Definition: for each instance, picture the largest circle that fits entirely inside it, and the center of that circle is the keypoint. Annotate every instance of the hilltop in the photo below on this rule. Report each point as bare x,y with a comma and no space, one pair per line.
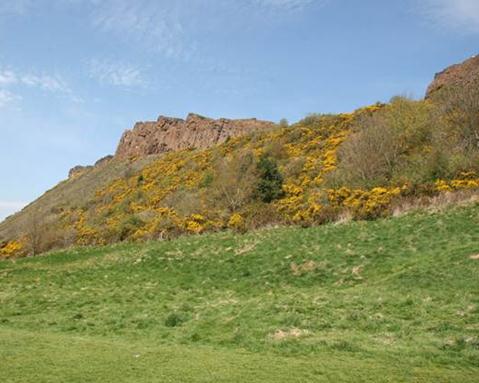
172,177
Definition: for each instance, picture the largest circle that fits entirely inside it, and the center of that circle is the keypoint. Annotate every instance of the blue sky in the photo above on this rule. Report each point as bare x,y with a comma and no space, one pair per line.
75,73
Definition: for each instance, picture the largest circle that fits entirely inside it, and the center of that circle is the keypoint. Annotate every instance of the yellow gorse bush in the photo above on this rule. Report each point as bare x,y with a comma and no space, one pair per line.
143,194
150,203
236,222
364,203
467,180
11,249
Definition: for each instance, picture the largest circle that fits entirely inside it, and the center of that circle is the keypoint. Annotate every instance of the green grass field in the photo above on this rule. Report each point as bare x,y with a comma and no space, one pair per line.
393,300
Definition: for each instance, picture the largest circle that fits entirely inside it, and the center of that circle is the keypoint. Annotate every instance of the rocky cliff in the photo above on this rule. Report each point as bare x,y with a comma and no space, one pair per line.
462,75
171,134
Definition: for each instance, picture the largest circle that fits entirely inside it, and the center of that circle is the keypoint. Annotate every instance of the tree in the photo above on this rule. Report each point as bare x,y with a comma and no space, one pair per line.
382,145
459,107
283,123
270,182
234,181
456,138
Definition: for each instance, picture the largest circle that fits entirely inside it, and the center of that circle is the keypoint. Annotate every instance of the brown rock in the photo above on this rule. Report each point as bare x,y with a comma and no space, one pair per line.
456,75
171,134
78,170
103,161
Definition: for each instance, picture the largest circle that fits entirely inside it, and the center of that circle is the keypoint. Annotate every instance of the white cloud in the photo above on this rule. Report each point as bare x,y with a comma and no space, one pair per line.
459,14
151,22
8,77
8,207
43,81
116,73
7,97
170,27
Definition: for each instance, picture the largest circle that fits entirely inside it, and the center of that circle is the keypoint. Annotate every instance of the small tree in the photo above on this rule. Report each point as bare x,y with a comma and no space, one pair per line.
283,123
270,183
234,181
459,107
382,146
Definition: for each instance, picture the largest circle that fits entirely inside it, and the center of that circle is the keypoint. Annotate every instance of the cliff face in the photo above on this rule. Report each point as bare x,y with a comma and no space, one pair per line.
171,134
462,75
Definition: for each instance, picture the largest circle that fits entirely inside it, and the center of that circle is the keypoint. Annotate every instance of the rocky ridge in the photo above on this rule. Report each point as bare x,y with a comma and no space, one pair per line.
462,75
172,134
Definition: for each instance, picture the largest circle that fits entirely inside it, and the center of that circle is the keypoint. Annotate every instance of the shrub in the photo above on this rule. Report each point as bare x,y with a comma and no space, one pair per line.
382,144
457,133
283,123
234,183
131,224
459,108
185,202
260,214
270,183
175,319
11,249
237,223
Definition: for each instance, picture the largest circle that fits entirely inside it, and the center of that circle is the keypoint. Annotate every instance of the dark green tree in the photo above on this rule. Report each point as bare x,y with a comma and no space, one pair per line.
270,183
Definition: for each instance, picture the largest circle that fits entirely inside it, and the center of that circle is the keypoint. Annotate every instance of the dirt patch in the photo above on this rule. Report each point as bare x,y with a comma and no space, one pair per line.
357,270
475,257
303,268
246,248
293,333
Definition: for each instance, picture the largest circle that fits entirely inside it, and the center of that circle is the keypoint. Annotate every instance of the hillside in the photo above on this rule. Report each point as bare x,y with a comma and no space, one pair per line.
392,300
174,177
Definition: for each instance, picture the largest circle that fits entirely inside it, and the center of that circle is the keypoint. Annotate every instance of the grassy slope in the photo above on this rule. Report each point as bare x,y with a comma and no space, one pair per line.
76,191
386,301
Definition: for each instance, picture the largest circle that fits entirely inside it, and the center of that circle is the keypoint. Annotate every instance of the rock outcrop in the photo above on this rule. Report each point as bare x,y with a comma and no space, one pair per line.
79,169
103,161
171,134
462,75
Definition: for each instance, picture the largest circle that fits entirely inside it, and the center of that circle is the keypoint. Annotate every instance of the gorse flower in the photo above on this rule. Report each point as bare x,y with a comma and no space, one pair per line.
292,173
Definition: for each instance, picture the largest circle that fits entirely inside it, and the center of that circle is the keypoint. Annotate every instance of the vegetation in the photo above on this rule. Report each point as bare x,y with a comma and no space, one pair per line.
270,183
391,300
361,165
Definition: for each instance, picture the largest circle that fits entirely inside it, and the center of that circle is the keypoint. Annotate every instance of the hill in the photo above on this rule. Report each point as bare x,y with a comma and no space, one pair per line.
391,300
174,177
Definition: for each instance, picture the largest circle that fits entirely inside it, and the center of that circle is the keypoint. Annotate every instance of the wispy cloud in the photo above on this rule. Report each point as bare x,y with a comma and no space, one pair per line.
45,82
7,97
458,14
116,73
49,83
172,27
7,77
154,23
151,22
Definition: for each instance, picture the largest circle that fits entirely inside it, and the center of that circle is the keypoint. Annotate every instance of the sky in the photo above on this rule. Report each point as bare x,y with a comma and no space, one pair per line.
74,74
